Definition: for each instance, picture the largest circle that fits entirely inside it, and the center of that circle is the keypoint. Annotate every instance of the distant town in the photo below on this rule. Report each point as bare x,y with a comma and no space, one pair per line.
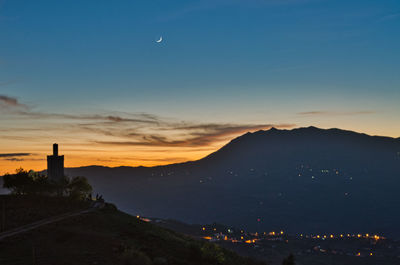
261,243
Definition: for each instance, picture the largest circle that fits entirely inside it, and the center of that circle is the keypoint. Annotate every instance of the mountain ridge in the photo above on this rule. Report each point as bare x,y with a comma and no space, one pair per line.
302,180
257,133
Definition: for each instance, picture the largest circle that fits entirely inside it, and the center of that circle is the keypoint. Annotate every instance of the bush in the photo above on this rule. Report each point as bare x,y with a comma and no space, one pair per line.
134,257
79,188
289,260
160,261
213,253
32,183
26,182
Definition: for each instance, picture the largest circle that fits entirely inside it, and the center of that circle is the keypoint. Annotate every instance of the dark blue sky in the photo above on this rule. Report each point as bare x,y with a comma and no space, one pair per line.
104,52
302,62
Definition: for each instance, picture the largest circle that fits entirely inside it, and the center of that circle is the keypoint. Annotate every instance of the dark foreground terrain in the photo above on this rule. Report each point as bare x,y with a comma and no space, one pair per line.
104,236
109,236
16,211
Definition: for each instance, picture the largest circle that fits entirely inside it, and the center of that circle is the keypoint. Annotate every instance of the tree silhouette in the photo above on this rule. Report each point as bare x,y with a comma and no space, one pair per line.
79,188
25,182
289,260
32,183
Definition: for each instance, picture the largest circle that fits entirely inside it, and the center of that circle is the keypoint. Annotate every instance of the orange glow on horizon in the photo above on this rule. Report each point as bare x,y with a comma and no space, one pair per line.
107,158
82,148
81,151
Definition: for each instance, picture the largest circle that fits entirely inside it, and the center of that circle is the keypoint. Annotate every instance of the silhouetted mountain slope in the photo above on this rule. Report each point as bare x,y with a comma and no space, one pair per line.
312,144
301,180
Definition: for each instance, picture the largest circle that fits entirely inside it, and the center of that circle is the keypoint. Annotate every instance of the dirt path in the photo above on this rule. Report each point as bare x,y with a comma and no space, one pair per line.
31,226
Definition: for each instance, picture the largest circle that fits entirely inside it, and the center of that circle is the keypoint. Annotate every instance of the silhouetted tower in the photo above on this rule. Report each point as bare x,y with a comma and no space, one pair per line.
55,165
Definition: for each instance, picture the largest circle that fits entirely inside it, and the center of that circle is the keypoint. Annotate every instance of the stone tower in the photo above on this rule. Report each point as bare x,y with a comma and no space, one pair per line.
55,165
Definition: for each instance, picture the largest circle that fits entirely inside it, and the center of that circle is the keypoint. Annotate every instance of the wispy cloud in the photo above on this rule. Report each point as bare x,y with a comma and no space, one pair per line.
12,106
15,154
14,159
136,118
121,128
7,102
335,113
196,135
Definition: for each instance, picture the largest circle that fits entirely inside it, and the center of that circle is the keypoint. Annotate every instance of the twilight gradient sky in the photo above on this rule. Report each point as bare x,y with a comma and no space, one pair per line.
90,76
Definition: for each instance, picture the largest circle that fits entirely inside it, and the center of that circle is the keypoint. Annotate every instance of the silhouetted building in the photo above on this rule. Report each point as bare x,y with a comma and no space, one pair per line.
55,165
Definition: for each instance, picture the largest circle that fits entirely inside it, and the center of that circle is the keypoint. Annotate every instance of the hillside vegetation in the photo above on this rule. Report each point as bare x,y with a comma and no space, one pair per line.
108,236
16,211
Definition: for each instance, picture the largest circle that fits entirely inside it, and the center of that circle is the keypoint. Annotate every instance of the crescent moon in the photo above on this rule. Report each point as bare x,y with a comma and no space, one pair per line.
160,40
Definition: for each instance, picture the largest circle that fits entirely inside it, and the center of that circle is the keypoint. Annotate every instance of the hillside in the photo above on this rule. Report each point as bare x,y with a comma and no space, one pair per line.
306,180
108,236
17,211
